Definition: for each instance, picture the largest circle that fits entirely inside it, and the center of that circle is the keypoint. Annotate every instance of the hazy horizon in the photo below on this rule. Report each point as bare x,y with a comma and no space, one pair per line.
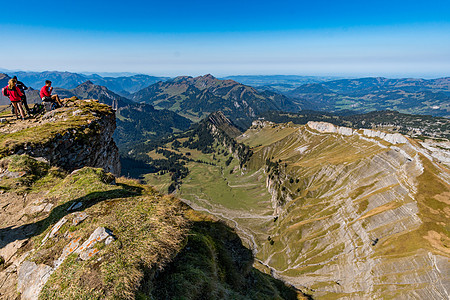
321,38
125,74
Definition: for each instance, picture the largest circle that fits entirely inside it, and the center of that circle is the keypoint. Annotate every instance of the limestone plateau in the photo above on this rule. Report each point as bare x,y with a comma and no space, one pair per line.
337,212
360,213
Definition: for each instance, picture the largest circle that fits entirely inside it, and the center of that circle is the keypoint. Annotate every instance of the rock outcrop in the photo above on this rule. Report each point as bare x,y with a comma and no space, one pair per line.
330,128
31,279
77,135
324,127
393,138
439,150
219,120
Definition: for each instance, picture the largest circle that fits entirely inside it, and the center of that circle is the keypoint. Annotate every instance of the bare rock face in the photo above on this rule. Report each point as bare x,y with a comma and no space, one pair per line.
55,229
393,138
440,150
330,128
324,127
218,120
31,279
96,149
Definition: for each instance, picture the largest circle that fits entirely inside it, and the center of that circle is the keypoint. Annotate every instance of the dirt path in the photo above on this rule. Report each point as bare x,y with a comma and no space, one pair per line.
9,123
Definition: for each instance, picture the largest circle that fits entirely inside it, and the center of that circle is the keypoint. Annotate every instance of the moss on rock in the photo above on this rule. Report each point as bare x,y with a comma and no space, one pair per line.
21,172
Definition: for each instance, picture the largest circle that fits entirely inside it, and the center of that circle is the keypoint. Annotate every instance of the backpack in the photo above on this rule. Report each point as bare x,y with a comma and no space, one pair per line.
50,105
37,108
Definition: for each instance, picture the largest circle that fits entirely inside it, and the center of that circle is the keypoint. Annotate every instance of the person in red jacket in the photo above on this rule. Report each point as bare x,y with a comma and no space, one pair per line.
46,93
15,95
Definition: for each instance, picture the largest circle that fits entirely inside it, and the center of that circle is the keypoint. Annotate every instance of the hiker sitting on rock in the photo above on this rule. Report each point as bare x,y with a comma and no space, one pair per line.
46,93
22,87
15,95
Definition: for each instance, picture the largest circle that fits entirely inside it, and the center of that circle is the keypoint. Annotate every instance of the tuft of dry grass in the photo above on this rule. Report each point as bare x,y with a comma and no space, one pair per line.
149,230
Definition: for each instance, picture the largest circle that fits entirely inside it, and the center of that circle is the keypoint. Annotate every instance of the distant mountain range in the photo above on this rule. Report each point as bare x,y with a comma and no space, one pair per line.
67,80
278,83
414,96
3,82
135,121
195,98
4,79
373,84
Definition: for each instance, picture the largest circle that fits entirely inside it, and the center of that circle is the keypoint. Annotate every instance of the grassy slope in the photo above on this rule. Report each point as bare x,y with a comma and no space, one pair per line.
298,240
434,234
308,204
155,235
313,206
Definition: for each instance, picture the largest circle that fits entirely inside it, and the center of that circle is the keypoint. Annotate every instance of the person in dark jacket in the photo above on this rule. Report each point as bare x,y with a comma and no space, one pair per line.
15,95
22,87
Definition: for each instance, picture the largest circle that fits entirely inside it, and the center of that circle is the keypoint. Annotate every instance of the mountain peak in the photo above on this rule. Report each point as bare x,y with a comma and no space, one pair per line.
219,120
88,83
89,90
206,81
208,76
181,78
205,94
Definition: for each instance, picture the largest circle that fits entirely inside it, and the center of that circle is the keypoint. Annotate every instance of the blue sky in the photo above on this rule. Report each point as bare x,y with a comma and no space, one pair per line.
344,38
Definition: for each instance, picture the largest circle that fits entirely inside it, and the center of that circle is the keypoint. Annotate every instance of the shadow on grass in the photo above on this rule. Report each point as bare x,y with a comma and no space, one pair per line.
12,233
214,264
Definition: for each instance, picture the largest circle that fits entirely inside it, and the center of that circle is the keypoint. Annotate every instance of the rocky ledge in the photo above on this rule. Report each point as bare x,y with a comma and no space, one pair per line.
324,127
71,137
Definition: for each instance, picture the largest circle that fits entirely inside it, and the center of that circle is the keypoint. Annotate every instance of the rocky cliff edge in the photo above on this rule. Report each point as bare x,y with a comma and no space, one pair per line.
77,135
